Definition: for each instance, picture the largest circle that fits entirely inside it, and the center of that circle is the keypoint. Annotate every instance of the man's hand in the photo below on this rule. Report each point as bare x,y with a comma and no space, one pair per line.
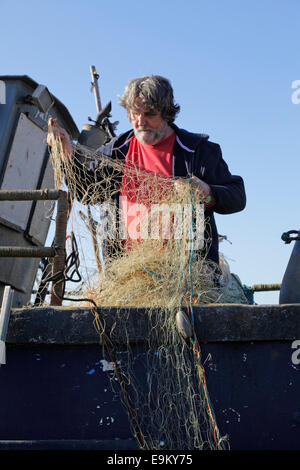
198,185
55,131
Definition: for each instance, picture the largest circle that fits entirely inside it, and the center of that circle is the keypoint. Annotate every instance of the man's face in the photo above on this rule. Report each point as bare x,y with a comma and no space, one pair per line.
149,127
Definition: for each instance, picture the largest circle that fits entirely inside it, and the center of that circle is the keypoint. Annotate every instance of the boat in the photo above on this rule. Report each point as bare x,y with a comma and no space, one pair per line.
56,376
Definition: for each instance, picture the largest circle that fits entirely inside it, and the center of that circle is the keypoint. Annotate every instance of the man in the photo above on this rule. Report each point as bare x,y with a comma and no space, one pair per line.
156,144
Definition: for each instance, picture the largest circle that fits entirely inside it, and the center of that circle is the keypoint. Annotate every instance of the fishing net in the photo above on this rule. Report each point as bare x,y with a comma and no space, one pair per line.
146,251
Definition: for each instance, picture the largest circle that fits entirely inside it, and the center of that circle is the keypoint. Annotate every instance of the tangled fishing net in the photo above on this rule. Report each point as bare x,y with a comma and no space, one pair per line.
155,261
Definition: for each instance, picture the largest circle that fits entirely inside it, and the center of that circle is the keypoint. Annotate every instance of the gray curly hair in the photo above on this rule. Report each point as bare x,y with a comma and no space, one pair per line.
156,94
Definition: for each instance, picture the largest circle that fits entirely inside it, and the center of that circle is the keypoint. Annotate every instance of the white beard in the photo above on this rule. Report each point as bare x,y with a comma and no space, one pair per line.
151,136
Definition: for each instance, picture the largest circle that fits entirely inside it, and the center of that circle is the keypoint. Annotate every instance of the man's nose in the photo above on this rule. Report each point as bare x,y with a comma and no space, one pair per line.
141,120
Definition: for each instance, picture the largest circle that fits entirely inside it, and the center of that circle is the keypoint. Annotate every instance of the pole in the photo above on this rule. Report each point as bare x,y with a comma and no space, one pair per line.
265,287
60,247
95,87
91,226
29,195
26,252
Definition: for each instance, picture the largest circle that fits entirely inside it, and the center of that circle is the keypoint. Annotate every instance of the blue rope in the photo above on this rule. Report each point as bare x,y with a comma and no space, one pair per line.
190,262
159,276
192,255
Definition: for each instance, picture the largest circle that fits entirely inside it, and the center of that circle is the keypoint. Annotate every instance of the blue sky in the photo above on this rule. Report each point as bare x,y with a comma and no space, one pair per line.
231,64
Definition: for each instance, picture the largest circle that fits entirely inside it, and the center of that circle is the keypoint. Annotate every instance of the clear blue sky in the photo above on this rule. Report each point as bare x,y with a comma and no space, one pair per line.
231,64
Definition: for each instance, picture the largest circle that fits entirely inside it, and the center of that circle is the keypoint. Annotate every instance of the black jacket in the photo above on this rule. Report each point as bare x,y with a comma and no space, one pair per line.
194,155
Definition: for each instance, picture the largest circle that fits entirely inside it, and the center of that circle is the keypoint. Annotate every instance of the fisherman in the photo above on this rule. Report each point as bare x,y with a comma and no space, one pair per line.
156,144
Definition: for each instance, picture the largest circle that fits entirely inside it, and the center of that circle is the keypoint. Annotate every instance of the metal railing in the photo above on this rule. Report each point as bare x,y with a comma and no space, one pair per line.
265,287
58,251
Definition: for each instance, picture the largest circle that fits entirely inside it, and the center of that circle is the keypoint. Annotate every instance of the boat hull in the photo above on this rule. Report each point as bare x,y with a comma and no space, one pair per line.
56,393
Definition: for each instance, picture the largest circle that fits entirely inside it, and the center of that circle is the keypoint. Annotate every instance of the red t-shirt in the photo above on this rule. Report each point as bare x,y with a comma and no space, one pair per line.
141,189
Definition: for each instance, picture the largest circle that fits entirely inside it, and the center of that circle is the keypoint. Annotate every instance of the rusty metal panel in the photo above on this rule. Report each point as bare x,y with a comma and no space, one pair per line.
24,164
43,210
22,170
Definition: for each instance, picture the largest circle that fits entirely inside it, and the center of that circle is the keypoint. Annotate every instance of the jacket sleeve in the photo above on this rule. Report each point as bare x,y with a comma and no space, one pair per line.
227,189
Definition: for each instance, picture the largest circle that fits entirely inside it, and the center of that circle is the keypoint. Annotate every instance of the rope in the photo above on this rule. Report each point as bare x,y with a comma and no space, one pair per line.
73,260
159,276
195,343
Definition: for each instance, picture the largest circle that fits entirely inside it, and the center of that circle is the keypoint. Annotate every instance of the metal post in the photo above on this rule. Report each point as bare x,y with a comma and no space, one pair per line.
60,248
95,87
265,287
29,195
26,252
91,226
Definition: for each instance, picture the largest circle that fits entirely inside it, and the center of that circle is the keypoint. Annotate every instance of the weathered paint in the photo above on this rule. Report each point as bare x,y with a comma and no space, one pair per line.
63,391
